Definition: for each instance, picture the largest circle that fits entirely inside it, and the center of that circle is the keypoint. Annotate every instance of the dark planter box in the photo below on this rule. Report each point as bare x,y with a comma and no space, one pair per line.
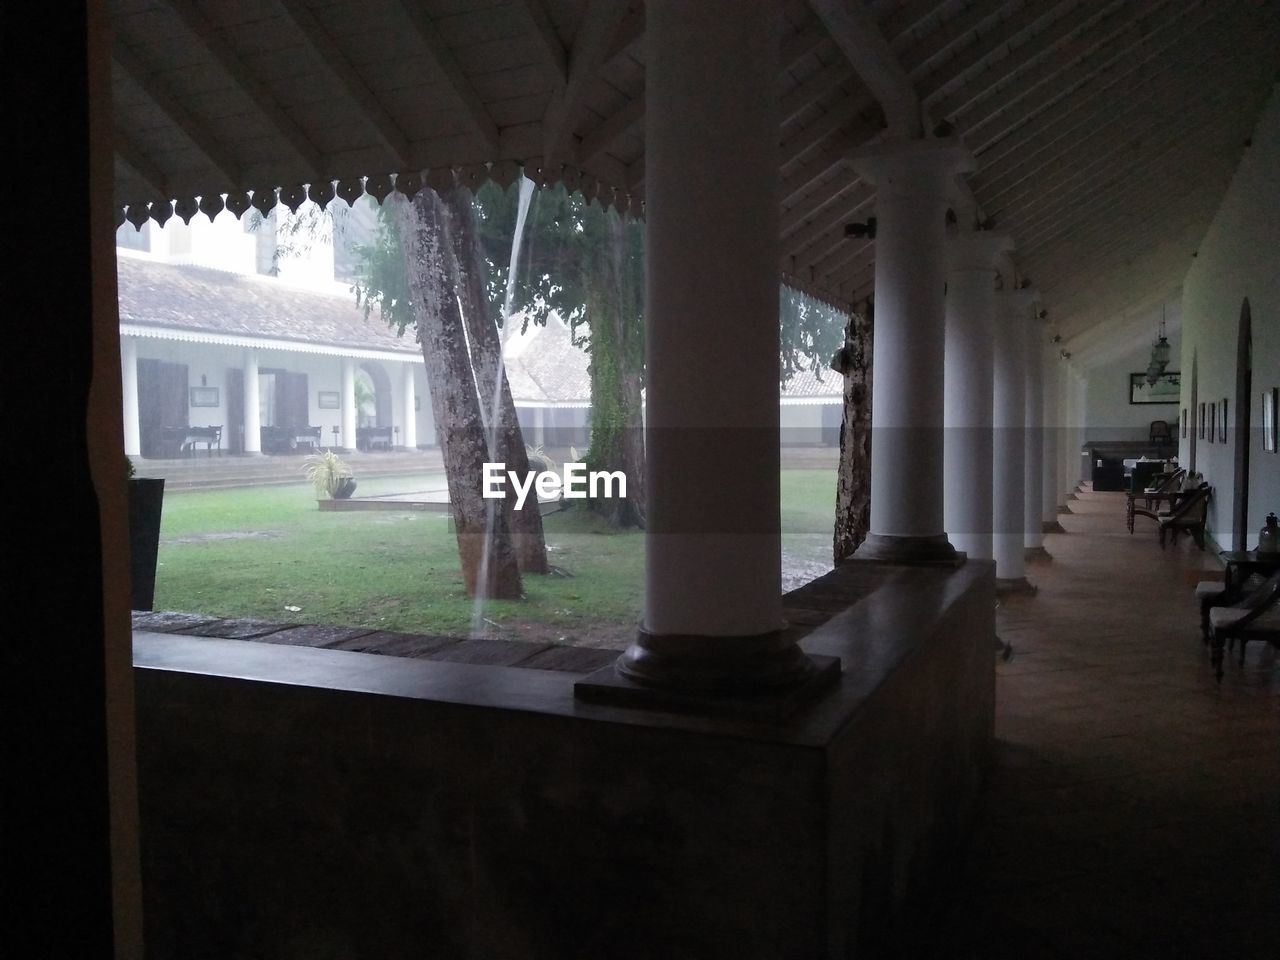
146,499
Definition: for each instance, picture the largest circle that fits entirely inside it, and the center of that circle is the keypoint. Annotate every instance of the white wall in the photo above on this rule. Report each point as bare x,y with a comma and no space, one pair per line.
1108,413
1238,258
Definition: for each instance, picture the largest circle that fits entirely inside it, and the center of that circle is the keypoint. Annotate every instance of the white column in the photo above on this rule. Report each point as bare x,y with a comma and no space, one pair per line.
1033,477
712,608
129,383
913,180
348,404
252,412
967,451
1052,445
1012,316
539,426
409,429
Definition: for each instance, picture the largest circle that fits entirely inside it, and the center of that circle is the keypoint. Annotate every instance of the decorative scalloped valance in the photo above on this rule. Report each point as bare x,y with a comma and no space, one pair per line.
379,187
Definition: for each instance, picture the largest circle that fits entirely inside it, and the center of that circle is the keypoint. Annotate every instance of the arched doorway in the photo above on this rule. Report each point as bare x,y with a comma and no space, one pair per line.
1244,397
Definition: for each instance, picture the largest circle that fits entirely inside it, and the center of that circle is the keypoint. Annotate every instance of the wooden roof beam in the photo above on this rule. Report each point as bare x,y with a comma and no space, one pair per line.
794,101
348,79
610,129
1038,26
1084,115
213,150
906,17
630,32
208,36
1057,187
551,47
477,115
1021,109
1049,51
597,30
858,36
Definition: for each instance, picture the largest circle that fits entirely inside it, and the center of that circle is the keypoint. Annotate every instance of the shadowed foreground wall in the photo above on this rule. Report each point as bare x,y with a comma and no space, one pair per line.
311,803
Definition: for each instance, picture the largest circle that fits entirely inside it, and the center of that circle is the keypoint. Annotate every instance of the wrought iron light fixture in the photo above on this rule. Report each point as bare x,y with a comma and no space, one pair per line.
1160,354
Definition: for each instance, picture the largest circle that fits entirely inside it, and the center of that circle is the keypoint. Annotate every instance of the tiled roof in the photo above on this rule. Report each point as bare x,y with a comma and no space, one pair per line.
805,384
547,367
199,299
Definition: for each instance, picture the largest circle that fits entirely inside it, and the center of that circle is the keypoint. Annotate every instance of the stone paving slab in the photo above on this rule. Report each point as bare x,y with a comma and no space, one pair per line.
170,621
235,628
316,635
396,644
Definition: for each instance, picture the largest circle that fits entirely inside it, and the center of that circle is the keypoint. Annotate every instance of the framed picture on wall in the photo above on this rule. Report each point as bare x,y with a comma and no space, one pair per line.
1200,421
204,396
1212,418
329,400
1166,389
1184,423
1222,421
1270,401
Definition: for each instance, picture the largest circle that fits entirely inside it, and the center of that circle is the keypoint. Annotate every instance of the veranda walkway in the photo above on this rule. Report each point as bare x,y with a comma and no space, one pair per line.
1134,806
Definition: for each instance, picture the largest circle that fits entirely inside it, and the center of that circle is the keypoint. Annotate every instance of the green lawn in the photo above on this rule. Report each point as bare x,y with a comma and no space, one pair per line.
257,552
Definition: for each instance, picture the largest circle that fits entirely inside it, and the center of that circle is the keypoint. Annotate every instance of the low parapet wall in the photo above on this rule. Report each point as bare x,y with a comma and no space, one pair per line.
312,803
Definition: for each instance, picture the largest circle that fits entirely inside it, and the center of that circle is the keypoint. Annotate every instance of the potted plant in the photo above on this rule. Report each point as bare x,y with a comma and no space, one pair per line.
146,502
330,475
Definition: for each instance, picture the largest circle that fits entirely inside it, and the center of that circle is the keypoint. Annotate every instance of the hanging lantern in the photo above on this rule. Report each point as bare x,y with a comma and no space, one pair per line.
1153,372
1160,353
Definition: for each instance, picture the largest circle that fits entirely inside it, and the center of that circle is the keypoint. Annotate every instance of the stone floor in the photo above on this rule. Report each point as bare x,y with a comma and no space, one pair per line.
1134,807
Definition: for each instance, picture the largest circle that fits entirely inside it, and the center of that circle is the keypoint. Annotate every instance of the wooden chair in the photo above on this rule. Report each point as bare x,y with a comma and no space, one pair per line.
1168,486
1255,616
1187,515
1160,433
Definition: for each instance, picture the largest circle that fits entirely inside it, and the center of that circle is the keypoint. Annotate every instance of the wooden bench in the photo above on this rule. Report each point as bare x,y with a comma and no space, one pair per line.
367,438
290,439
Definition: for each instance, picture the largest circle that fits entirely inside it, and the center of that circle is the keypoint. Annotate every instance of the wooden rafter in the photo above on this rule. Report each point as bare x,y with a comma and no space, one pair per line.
213,150
610,129
207,35
599,26
1106,67
802,95
907,16
477,115
552,48
630,30
1061,182
1046,53
858,36
348,79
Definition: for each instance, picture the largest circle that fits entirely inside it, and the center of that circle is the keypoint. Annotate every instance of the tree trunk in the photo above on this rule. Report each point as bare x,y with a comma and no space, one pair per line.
853,493
432,273
617,377
491,376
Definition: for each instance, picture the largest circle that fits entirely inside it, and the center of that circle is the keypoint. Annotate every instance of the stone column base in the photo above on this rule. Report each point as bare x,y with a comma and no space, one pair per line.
935,551
1017,586
1053,526
766,676
1036,553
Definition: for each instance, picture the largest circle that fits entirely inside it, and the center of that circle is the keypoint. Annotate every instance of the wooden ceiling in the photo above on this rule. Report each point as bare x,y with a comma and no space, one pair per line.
1105,132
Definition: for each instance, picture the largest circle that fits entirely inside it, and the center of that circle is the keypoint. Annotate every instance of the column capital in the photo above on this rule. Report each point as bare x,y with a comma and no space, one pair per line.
976,251
900,164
